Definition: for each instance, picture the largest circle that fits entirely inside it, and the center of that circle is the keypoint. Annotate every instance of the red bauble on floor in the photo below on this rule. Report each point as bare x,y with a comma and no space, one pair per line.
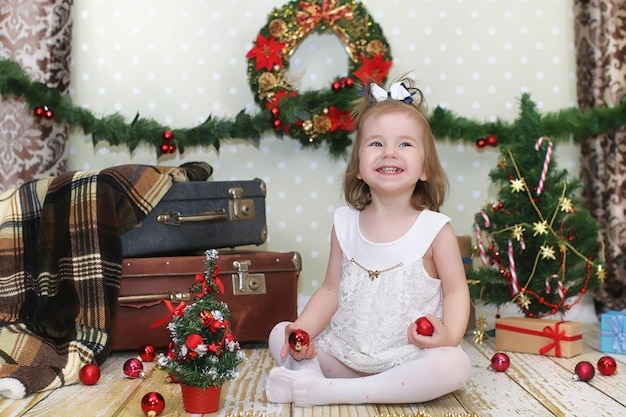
89,374
607,365
583,371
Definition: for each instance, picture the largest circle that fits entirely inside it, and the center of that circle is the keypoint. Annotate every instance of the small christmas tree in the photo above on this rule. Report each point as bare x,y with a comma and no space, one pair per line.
203,351
538,247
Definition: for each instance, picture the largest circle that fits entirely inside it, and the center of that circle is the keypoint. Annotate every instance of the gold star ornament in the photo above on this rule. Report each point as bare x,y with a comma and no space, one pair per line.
547,252
518,232
601,273
566,205
517,185
479,337
540,228
523,300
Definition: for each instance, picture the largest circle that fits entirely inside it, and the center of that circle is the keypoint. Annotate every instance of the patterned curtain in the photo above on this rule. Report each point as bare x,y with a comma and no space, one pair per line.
36,34
600,36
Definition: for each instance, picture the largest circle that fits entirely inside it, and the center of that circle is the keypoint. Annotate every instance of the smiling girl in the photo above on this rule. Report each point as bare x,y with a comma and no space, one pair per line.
393,258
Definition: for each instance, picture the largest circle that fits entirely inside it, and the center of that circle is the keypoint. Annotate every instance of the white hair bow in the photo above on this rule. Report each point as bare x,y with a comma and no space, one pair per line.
397,91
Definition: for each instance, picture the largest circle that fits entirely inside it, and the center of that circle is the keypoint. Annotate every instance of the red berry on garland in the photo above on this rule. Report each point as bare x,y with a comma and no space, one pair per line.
424,327
607,365
492,140
89,374
147,353
298,339
500,362
152,404
39,112
584,371
133,368
480,143
277,124
275,111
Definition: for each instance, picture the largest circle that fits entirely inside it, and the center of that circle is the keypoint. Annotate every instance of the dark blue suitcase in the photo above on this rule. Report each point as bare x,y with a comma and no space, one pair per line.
198,215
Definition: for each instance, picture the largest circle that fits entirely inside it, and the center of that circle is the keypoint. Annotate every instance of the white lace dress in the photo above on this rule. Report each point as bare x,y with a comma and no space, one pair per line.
368,331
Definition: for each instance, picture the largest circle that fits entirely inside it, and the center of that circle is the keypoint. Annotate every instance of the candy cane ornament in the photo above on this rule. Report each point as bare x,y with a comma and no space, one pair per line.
546,162
513,269
560,286
479,239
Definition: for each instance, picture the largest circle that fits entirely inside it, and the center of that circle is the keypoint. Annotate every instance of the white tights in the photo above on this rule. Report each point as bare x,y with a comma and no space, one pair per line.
324,380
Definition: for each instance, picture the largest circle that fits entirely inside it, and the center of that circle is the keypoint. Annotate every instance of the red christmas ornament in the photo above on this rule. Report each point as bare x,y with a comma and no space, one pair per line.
424,327
584,371
336,86
277,124
48,114
480,143
607,365
167,136
492,140
275,111
347,82
147,353
152,404
89,374
193,341
298,339
39,112
170,350
164,148
133,368
500,362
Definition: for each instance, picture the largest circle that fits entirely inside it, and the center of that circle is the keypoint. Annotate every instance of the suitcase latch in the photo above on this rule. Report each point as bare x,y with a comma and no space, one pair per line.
240,208
245,283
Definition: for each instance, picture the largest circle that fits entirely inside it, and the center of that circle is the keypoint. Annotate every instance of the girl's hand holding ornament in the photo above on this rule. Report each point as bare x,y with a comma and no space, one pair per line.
427,332
298,344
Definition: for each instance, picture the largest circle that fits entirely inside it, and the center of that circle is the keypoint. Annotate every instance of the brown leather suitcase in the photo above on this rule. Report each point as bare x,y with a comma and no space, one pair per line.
260,288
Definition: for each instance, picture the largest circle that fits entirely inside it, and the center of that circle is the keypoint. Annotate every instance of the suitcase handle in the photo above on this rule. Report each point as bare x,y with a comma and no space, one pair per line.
174,218
147,298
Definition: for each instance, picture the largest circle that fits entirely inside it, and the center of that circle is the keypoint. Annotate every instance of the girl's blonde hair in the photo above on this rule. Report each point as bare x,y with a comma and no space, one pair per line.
429,194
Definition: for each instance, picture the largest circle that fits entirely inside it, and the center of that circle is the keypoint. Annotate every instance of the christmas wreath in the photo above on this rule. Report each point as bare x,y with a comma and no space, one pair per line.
315,117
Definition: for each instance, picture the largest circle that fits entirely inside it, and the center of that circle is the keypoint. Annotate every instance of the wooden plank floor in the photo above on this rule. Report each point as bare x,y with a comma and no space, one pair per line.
533,386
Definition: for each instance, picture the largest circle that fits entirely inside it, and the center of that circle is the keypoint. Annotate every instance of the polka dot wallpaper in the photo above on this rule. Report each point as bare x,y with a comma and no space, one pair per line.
180,61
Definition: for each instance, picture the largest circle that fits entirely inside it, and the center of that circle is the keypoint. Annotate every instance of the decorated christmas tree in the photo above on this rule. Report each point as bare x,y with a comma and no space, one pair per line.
203,351
538,247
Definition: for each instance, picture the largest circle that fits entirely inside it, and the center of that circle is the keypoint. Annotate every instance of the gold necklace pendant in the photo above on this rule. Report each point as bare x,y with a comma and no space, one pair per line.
375,273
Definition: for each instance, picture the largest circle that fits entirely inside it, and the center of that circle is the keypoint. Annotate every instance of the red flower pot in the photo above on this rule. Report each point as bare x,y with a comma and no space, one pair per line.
198,400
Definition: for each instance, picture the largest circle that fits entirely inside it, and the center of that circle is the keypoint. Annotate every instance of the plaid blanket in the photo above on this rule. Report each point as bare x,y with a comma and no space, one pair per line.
60,269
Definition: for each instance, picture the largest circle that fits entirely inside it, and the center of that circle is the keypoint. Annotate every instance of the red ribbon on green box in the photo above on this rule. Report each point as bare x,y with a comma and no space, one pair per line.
553,333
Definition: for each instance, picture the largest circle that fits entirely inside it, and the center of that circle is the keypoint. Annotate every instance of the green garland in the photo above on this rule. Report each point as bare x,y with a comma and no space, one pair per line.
116,130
